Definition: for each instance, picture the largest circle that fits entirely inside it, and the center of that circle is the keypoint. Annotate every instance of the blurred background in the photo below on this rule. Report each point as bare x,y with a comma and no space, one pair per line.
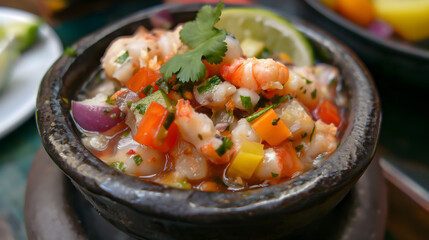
396,54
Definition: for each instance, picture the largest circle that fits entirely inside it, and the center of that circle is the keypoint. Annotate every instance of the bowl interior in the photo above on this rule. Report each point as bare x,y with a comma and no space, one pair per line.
62,142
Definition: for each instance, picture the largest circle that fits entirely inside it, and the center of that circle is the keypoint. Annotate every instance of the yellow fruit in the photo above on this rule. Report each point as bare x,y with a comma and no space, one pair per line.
409,18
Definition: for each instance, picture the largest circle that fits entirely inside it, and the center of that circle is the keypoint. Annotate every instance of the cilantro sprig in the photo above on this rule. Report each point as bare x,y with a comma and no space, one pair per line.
206,41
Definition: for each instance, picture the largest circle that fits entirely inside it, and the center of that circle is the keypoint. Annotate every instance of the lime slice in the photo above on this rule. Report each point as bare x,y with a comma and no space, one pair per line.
275,32
24,34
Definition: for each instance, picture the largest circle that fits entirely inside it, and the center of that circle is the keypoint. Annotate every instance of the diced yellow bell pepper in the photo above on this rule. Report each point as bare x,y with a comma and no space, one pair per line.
409,18
271,128
247,160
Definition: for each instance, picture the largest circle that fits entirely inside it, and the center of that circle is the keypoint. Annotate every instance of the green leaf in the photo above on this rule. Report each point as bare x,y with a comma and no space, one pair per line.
118,165
207,43
299,148
226,144
121,59
138,159
246,102
210,83
274,175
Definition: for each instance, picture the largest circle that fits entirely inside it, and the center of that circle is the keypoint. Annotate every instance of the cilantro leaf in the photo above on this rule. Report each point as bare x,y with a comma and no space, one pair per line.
246,102
206,41
213,81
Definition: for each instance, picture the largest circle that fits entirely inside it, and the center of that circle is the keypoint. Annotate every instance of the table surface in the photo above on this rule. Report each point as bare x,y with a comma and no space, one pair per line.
403,139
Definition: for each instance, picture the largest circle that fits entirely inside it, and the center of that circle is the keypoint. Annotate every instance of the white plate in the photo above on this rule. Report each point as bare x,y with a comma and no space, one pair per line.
18,98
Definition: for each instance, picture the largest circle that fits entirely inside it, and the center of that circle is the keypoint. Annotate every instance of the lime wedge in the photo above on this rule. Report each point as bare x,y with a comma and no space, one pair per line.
24,34
275,32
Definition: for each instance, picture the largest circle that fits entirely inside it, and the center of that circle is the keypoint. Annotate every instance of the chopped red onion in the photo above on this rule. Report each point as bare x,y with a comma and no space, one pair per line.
381,28
97,118
161,19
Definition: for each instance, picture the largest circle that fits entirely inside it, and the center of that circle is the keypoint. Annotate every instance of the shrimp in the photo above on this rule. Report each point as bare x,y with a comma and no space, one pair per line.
139,160
278,162
295,116
255,74
216,97
188,161
244,132
244,92
323,142
144,49
310,84
198,129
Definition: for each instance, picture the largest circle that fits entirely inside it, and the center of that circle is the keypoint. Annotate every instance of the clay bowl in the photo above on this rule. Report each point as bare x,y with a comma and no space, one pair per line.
153,211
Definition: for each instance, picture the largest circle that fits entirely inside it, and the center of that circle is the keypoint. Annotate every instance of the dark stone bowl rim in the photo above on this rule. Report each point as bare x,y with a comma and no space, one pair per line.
342,168
397,46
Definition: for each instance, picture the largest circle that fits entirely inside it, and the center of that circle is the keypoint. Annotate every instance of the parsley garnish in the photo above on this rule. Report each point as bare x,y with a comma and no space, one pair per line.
148,90
118,165
304,135
122,115
277,100
213,81
274,175
246,102
142,108
226,144
70,51
169,120
121,59
305,91
299,148
110,101
308,81
138,159
163,84
126,134
206,41
313,93
106,111
200,136
275,121
312,131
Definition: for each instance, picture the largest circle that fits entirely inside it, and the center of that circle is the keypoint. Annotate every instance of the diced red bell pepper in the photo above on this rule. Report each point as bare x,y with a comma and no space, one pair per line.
142,78
150,126
328,112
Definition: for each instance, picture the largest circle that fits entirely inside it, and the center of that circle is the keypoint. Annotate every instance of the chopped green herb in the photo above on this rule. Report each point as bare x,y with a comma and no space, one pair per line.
305,91
299,148
307,81
205,41
276,101
70,51
122,115
312,132
274,175
200,136
138,159
148,90
246,102
275,121
210,83
113,115
314,93
226,144
163,84
121,59
125,134
304,135
141,108
169,120
65,100
118,165
129,104
110,101
106,111
301,87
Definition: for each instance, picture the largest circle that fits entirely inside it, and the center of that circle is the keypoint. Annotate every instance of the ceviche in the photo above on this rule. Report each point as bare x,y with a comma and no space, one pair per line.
187,108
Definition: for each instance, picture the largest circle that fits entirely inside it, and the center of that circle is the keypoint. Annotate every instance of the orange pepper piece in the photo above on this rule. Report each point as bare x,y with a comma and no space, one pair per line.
271,128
